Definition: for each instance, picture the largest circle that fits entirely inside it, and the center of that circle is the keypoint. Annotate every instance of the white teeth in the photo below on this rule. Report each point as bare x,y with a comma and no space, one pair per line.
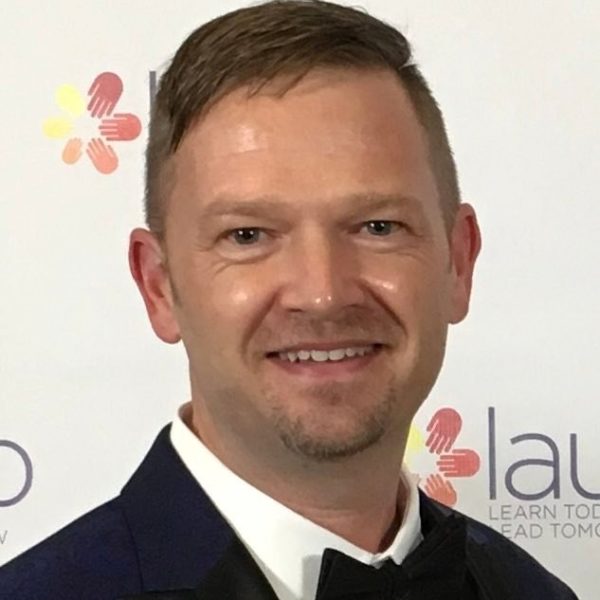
319,355
324,355
331,355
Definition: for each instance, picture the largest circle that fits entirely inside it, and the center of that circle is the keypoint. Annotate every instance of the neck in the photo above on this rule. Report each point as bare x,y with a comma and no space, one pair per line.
360,498
369,521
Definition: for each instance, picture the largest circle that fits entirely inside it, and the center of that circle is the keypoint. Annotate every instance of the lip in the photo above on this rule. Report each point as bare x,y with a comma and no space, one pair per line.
343,369
326,345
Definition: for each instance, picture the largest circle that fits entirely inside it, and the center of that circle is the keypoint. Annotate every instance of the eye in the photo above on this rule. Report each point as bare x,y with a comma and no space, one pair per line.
243,236
382,228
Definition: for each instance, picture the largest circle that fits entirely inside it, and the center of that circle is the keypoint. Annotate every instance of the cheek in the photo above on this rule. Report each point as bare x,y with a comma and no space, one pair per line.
410,285
417,295
221,308
215,314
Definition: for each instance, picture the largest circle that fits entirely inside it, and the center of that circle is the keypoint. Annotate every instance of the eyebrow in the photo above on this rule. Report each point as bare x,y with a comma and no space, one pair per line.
227,205
269,206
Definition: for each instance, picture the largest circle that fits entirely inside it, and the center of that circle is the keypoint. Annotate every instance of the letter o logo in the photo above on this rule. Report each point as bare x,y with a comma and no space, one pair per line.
28,473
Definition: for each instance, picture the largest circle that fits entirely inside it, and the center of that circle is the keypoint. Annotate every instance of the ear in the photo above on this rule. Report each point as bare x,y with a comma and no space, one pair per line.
465,244
147,266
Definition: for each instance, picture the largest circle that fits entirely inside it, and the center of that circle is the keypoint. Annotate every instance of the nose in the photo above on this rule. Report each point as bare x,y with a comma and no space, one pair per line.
321,276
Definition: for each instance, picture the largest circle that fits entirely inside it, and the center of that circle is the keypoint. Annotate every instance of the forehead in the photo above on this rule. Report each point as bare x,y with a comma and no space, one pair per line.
337,132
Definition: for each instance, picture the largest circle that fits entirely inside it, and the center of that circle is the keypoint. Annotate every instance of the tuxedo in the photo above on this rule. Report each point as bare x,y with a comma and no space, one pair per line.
162,534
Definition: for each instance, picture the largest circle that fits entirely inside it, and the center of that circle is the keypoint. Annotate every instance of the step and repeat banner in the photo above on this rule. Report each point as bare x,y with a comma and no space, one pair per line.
509,434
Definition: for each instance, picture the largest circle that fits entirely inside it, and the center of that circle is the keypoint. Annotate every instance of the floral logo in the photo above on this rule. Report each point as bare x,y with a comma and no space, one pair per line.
451,462
103,126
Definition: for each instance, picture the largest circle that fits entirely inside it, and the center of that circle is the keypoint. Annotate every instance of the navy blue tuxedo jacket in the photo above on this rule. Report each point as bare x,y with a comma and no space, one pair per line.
163,533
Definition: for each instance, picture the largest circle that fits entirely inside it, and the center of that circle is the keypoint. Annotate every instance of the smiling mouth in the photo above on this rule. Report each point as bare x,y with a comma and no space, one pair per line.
321,356
319,366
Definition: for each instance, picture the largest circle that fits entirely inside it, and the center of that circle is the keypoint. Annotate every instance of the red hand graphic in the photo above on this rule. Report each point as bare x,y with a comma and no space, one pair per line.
102,156
122,127
441,490
105,92
459,463
444,428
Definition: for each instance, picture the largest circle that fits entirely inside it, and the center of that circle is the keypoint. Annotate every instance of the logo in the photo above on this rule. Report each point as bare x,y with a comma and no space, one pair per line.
527,473
90,125
450,462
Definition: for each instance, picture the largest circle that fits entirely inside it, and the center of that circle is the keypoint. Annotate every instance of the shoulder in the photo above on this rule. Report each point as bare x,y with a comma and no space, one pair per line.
498,558
92,558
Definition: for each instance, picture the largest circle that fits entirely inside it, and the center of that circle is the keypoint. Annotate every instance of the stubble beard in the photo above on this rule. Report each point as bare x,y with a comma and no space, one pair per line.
369,424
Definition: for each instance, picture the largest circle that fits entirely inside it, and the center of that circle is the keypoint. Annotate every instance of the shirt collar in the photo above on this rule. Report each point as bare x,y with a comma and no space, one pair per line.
286,546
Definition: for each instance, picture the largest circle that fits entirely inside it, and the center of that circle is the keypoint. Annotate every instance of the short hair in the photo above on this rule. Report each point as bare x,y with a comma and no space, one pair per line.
283,39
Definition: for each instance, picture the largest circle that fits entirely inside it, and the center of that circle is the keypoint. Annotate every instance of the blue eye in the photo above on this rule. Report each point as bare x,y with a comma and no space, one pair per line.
244,238
382,231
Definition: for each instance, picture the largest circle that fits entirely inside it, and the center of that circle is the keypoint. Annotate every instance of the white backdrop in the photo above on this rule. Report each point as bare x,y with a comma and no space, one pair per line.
84,383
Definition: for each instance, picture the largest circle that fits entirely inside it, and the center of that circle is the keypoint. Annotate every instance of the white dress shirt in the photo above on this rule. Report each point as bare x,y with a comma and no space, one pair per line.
285,545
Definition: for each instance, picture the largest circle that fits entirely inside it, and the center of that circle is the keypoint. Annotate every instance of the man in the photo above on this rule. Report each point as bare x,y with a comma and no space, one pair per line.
308,244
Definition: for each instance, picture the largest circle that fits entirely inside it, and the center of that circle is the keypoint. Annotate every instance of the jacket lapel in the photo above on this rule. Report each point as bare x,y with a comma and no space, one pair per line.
181,539
236,575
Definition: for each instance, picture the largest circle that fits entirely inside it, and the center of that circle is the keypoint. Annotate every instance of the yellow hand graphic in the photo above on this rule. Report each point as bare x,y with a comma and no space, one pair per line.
57,127
70,100
414,444
416,440
72,152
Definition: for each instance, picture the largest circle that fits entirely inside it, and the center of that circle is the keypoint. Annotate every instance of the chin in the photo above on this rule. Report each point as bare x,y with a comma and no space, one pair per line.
334,439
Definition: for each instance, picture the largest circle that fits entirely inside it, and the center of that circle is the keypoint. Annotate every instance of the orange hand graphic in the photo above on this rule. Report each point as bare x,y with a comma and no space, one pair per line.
72,151
444,428
441,490
459,463
102,156
122,127
105,92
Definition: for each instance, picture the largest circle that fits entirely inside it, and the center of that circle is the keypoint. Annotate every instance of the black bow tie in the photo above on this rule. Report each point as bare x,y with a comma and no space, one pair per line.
434,571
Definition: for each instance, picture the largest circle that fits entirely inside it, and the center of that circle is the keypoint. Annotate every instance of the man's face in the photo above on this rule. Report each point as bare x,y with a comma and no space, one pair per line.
306,221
